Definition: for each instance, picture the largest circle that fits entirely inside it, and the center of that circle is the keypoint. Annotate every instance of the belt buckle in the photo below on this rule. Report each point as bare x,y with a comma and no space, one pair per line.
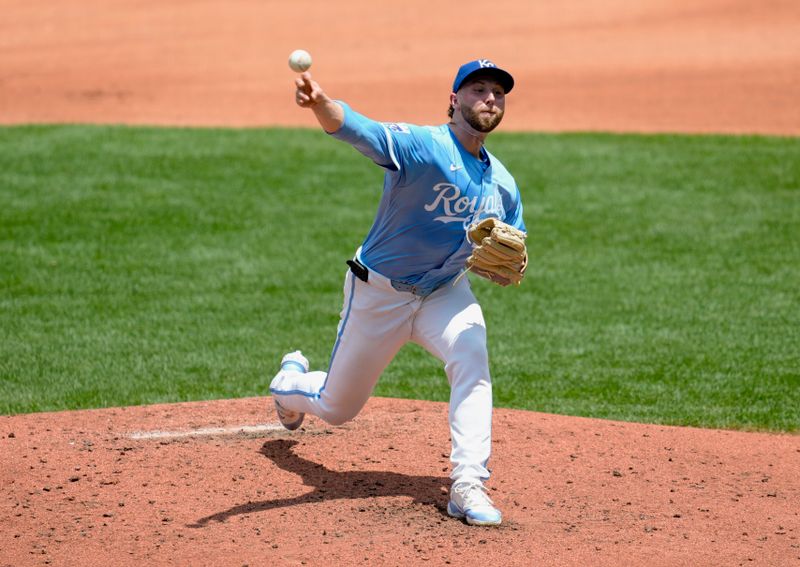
412,289
419,292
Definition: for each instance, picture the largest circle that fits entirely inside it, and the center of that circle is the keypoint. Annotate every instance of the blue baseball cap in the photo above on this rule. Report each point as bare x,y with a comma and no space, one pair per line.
483,66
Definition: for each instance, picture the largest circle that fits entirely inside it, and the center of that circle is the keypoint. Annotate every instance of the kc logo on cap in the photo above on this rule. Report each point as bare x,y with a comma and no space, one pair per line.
483,65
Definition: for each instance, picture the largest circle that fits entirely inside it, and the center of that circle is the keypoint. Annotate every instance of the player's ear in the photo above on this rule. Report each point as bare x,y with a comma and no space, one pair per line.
453,99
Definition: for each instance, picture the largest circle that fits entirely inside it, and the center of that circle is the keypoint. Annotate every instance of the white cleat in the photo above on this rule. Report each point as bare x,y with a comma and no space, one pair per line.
294,361
290,419
469,502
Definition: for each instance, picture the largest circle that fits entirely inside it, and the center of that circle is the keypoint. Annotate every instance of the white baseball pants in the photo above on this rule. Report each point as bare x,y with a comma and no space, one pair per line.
376,321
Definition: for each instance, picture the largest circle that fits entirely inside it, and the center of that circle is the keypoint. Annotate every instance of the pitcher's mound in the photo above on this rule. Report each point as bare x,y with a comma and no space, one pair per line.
220,483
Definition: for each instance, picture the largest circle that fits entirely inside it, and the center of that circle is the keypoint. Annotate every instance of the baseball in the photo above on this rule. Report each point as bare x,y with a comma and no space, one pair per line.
300,60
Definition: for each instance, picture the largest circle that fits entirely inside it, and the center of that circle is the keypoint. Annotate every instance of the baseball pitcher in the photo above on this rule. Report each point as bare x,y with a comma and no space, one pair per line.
448,206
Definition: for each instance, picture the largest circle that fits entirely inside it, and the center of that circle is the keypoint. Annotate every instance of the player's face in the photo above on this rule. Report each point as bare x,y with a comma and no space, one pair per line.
482,103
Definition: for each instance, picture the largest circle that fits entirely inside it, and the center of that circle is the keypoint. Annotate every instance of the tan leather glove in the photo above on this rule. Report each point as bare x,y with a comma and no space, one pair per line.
499,254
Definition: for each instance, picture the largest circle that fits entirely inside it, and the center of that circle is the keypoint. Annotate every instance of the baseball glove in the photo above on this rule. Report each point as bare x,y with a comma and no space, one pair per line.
499,252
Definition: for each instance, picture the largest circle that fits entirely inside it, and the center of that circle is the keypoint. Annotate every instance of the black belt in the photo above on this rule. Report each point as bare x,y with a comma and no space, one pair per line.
358,269
362,273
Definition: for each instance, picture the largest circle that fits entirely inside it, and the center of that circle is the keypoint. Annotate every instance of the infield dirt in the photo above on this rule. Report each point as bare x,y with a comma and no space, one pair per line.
131,486
664,65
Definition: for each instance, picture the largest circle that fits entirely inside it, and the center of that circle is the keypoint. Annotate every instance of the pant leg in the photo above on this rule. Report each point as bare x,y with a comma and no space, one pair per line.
375,322
450,326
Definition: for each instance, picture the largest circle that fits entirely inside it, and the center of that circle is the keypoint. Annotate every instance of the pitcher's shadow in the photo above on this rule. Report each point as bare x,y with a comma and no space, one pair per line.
336,485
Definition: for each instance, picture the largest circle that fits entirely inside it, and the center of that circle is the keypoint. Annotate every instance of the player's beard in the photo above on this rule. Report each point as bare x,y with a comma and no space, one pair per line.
482,122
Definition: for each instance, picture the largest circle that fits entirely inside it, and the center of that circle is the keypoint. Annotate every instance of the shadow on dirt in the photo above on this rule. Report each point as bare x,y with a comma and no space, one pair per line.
334,485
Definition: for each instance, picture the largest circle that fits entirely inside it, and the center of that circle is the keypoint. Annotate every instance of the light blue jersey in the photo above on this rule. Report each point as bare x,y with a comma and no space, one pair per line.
433,190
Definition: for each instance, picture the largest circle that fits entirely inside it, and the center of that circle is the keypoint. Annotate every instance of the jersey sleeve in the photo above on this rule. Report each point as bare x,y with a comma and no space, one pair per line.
391,146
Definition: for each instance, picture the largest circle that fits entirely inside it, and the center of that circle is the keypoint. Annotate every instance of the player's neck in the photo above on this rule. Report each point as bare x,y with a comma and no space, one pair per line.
471,139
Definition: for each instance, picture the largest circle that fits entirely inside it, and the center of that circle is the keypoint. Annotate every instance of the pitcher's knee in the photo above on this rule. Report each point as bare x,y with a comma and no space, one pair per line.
338,414
337,419
470,350
468,355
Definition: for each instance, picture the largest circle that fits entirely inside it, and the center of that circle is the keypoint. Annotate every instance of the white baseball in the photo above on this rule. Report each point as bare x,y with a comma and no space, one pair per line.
300,60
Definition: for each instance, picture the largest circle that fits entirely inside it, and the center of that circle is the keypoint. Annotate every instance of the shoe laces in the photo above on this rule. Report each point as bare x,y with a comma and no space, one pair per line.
473,495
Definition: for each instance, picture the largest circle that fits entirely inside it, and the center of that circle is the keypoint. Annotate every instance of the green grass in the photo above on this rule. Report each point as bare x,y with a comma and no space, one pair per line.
151,265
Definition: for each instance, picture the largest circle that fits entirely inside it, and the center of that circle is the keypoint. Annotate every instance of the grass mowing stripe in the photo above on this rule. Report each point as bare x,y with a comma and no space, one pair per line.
144,265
